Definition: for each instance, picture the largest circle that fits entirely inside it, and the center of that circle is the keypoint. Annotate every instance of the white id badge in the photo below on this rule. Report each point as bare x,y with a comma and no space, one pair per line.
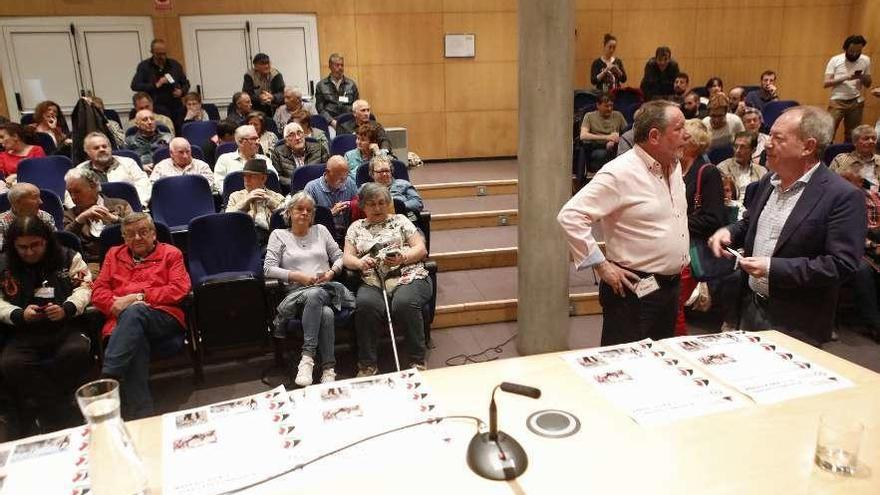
343,99
45,293
169,78
646,286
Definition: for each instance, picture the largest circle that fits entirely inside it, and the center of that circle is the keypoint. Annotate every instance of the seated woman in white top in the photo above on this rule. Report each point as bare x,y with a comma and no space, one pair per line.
306,258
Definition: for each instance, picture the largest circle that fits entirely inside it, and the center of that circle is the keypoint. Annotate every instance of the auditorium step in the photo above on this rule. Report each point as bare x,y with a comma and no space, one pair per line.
468,189
473,297
444,206
473,219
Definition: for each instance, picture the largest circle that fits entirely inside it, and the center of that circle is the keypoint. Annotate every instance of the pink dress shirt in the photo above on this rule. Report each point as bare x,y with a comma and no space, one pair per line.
644,216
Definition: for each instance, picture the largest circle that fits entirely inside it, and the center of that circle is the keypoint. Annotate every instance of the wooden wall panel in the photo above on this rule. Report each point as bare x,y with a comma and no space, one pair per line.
479,6
399,39
497,34
590,28
814,31
426,132
487,86
337,34
478,134
459,108
397,6
640,36
403,89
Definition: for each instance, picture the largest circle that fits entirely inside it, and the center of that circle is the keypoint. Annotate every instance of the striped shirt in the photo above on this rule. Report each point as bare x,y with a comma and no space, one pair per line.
772,220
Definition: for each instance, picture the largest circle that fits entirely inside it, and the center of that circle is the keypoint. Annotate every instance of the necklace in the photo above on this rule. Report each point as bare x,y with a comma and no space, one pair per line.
302,241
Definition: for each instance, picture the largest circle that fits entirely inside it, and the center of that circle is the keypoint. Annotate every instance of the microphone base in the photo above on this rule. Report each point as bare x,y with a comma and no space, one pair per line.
500,459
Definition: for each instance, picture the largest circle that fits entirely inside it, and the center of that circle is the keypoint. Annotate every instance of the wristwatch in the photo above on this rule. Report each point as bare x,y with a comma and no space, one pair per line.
139,297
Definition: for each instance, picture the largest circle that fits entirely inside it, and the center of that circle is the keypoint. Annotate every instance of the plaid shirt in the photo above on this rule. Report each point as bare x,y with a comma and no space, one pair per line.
867,169
773,217
872,205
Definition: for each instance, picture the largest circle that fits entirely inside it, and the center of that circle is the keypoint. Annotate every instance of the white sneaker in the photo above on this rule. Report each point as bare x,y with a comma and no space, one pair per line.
304,371
328,375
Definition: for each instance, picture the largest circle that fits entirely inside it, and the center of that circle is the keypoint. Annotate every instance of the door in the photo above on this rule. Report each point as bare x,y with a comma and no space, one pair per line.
63,58
219,50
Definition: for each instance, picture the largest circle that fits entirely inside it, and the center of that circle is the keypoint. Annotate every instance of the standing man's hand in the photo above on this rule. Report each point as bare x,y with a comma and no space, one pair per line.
720,240
756,266
618,278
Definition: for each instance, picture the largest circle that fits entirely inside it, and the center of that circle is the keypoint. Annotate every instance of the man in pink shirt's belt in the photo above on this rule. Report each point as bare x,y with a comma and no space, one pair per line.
640,199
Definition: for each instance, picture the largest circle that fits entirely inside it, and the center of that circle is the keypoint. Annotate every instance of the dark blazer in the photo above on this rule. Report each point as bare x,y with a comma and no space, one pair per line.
819,248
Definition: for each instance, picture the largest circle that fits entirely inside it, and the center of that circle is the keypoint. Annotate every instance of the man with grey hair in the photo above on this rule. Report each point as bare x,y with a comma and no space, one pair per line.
92,211
803,236
335,94
147,139
181,162
293,101
24,200
361,111
110,168
863,161
334,190
140,291
294,152
640,199
248,144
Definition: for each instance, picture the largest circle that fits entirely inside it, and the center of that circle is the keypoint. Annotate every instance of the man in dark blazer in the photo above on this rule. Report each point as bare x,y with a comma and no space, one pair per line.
803,236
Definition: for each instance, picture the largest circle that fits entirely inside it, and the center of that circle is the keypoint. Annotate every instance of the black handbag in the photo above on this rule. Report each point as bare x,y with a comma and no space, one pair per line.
704,265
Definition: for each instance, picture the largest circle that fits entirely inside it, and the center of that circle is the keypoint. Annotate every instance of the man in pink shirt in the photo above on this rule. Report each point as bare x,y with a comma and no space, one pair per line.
640,199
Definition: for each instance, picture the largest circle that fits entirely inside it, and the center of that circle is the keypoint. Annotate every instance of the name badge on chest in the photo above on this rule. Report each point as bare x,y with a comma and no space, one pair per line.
343,99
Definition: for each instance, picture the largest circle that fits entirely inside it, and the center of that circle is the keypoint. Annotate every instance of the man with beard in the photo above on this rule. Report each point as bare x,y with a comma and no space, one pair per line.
691,108
847,74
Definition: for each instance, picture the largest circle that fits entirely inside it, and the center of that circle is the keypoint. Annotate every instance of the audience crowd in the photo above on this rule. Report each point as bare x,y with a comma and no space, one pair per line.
707,150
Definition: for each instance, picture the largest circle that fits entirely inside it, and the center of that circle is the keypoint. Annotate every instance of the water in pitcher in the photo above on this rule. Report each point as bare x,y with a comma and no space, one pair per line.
114,465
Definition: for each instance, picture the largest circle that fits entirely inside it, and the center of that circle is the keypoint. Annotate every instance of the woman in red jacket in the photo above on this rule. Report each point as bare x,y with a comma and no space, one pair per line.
15,139
139,290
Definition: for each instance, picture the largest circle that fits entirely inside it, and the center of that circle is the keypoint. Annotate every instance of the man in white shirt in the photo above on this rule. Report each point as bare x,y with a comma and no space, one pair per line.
847,74
639,197
181,162
110,168
248,143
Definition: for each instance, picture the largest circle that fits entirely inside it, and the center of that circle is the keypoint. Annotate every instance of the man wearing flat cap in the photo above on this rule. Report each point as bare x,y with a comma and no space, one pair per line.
255,199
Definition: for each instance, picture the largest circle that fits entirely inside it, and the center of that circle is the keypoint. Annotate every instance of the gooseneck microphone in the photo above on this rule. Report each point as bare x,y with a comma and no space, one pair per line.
494,454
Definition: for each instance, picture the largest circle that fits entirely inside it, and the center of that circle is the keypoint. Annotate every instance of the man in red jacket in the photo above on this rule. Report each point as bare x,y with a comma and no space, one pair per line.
139,290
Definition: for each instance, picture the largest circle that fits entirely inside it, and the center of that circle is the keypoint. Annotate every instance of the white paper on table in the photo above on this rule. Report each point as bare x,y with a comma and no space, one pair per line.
650,385
757,366
340,413
226,445
54,463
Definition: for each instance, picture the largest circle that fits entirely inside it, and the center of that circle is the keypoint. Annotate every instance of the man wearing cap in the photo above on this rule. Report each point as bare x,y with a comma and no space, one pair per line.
264,84
255,199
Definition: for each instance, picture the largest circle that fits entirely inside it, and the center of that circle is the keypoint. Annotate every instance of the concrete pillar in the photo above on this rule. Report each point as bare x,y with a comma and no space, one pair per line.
546,62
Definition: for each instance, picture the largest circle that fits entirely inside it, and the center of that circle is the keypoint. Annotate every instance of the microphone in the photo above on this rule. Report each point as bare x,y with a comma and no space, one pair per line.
496,455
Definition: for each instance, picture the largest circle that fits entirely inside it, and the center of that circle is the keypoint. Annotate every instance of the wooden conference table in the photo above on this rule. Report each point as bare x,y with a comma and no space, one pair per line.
754,450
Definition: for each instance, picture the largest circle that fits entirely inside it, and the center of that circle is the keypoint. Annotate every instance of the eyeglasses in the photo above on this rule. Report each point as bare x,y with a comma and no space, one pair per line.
383,171
142,233
30,246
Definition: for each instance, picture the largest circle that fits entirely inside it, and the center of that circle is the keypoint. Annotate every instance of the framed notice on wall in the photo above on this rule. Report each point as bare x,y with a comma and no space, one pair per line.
459,46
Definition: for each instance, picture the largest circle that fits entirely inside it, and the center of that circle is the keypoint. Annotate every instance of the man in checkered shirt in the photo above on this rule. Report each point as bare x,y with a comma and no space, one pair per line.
803,236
